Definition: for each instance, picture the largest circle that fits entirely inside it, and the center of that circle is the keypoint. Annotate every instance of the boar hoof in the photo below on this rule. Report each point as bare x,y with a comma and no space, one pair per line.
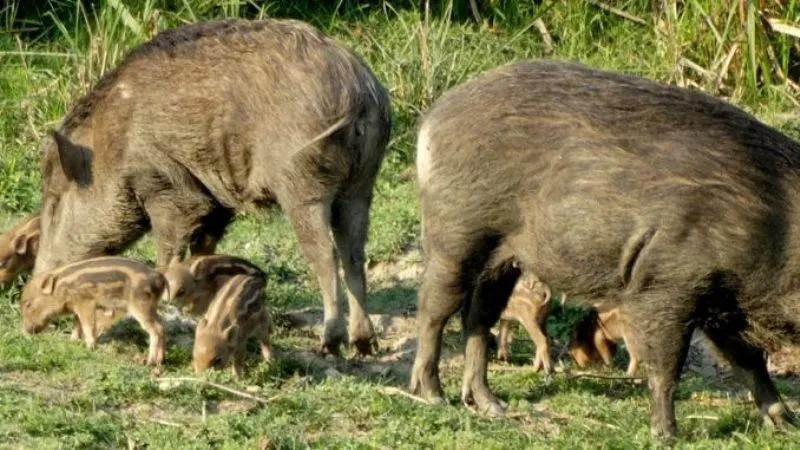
366,346
778,416
427,387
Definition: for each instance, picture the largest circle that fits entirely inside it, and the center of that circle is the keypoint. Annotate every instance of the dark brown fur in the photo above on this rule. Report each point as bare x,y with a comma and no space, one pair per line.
215,117
680,207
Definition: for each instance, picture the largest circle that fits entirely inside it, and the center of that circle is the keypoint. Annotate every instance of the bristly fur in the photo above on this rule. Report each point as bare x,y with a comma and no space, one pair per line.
213,118
675,206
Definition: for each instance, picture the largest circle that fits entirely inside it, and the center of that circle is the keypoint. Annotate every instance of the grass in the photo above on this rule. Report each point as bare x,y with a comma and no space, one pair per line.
56,394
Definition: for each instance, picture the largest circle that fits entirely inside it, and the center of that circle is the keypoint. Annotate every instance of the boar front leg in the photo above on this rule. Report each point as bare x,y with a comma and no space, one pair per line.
174,215
351,224
536,327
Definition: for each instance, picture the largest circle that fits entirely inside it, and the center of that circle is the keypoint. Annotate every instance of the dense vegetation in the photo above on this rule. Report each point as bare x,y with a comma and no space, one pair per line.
54,393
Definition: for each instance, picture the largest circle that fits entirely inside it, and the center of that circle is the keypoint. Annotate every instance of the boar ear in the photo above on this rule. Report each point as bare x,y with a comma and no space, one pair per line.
75,160
48,284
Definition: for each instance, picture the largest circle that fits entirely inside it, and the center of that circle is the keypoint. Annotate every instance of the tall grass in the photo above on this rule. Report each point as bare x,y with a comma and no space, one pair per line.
52,51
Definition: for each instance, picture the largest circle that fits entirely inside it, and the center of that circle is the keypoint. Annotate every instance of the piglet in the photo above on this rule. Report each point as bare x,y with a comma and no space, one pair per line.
595,337
102,283
195,281
529,305
18,247
236,314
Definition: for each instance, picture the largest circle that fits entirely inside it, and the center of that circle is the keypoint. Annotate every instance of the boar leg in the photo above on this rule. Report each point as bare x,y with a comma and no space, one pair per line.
147,315
312,227
206,237
633,364
265,329
350,228
665,333
502,353
77,331
489,299
536,329
237,368
440,295
750,368
86,316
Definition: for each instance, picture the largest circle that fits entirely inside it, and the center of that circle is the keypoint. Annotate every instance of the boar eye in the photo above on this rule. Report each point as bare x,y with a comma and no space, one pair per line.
180,292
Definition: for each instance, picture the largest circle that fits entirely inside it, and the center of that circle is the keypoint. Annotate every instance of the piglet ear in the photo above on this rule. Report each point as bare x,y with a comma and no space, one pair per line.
48,284
20,244
228,332
75,160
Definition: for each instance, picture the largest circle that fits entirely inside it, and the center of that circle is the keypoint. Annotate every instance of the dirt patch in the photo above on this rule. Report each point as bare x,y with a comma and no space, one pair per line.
406,268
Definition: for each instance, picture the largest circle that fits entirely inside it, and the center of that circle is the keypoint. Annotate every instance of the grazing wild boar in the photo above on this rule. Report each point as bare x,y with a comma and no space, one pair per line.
216,117
237,314
682,208
18,247
194,282
91,286
529,305
594,339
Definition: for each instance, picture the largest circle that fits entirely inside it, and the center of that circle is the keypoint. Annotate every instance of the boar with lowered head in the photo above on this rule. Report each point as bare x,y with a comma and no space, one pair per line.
194,282
236,314
595,336
18,248
94,286
529,305
682,209
216,117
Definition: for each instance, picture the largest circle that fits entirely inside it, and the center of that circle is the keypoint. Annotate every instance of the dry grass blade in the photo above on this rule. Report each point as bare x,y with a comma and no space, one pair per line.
221,387
618,12
784,27
388,390
546,38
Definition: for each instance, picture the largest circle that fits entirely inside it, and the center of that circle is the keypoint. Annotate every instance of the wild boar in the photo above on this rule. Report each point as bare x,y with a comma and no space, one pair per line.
682,209
18,248
529,305
221,116
236,314
194,282
594,339
89,286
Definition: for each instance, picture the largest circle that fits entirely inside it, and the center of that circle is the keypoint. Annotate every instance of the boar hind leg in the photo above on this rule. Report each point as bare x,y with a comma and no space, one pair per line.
311,224
350,227
750,368
485,309
440,295
665,330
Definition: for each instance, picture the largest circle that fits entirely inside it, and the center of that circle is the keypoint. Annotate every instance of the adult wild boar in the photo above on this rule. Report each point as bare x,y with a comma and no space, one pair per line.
219,116
680,207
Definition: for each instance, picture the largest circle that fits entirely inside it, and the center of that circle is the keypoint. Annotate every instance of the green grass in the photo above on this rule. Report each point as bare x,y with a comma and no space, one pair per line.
56,394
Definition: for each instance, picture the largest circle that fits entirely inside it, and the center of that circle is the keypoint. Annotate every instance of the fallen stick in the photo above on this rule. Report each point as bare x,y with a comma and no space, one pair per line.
602,377
222,388
618,12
